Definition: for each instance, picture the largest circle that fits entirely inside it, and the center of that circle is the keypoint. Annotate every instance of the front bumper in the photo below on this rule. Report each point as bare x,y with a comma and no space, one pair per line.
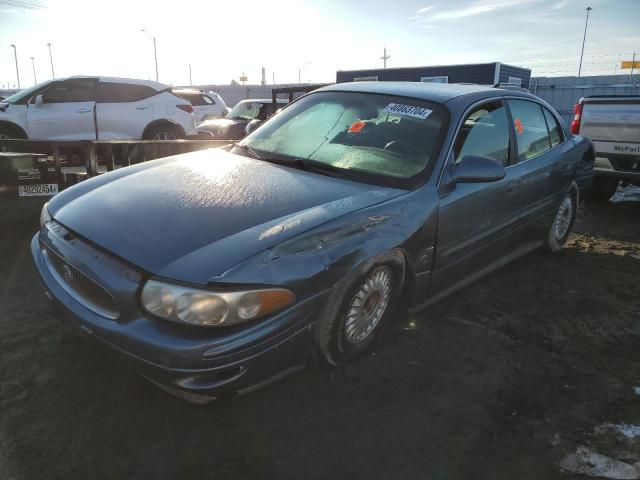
196,363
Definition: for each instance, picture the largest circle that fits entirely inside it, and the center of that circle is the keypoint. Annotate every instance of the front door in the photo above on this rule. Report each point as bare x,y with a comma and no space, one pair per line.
63,111
476,219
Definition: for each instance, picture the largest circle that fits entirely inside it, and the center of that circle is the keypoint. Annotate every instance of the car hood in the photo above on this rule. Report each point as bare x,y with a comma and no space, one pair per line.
192,217
217,123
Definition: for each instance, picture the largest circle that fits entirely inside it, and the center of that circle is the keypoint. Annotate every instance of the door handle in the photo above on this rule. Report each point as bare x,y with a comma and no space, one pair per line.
513,186
142,108
87,110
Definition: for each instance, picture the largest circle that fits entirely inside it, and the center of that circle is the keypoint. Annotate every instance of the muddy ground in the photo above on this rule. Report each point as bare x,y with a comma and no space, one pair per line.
500,381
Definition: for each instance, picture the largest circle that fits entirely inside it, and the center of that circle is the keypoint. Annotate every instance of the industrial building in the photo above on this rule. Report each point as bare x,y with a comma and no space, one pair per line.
479,73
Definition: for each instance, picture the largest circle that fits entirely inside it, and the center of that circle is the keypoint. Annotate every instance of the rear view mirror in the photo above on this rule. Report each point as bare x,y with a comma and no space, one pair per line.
477,169
38,101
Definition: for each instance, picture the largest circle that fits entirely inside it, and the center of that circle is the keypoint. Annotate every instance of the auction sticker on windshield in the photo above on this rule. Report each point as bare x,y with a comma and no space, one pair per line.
408,110
38,190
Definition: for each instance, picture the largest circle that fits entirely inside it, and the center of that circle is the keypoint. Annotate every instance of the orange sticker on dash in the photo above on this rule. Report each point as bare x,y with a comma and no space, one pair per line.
519,126
356,126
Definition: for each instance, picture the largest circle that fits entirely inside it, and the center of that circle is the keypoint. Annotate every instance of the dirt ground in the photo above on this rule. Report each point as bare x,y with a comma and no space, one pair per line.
500,381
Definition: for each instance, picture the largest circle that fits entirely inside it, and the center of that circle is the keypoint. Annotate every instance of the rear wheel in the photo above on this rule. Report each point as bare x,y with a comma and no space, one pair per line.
164,132
359,308
563,222
602,189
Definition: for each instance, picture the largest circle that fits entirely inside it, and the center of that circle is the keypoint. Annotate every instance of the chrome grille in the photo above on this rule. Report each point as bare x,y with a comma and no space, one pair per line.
87,291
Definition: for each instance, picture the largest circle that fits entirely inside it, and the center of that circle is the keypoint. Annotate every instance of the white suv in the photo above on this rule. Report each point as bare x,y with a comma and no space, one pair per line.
96,108
206,105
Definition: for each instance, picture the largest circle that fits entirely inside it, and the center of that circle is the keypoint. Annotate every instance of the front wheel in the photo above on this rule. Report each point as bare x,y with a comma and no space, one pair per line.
562,223
7,132
359,307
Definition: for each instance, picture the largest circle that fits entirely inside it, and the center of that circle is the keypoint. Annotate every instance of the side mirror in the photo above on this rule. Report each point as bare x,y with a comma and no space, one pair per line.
252,125
38,101
477,169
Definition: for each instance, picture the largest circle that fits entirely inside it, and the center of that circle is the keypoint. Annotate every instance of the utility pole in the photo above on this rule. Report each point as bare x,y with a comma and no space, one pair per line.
385,57
632,80
300,69
33,65
586,23
51,60
155,50
15,55
190,79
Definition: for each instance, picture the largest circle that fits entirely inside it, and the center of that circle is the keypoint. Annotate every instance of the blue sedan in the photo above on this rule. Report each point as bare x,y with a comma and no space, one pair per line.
215,272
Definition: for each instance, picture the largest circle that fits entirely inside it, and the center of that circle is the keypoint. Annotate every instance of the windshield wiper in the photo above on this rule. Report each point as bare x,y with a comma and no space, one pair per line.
309,165
249,150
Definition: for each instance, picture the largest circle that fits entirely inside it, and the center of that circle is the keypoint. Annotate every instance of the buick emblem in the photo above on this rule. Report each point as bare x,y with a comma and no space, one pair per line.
67,273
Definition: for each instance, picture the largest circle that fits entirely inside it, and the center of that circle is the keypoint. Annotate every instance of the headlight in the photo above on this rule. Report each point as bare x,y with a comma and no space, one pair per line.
44,215
210,308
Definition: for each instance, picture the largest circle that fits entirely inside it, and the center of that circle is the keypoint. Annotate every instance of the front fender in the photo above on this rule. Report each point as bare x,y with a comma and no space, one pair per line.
317,259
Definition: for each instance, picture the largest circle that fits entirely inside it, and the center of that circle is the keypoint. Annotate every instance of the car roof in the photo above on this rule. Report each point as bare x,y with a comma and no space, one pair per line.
434,92
262,100
134,81
192,91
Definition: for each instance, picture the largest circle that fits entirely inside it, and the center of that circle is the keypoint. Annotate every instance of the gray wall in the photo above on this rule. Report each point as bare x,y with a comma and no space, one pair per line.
564,92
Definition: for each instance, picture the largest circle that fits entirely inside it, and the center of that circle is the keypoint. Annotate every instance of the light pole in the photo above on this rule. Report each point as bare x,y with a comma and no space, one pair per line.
51,60
586,23
15,55
155,51
33,65
190,79
300,69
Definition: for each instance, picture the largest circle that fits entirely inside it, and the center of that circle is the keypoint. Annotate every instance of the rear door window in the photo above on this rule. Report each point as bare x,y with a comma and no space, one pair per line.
485,132
532,136
555,131
108,92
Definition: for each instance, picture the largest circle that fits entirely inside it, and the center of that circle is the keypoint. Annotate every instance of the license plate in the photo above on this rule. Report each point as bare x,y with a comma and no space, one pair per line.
38,190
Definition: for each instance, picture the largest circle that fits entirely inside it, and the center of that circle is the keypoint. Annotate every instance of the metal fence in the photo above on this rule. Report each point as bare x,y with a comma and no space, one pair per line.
564,92
64,163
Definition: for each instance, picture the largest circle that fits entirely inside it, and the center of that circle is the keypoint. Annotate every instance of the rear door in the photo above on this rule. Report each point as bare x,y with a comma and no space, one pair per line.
545,165
66,111
123,110
476,219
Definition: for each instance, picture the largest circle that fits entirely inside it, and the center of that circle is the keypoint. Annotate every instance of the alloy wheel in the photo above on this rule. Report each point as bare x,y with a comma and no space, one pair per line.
564,216
368,305
164,136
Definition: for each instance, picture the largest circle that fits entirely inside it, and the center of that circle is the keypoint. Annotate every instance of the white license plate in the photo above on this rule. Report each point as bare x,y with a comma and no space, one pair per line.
38,190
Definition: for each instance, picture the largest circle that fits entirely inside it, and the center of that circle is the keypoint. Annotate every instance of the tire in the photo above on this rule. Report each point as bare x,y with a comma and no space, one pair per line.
9,132
603,189
562,224
342,332
164,132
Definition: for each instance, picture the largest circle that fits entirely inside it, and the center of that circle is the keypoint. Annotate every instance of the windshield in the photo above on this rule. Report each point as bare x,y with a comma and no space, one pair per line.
246,110
356,132
25,93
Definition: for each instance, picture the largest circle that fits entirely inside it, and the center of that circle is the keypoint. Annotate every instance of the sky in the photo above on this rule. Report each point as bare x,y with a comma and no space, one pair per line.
221,40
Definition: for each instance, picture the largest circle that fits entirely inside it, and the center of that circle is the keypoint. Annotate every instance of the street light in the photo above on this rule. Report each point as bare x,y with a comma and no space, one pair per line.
33,65
300,69
51,60
155,51
190,80
586,22
15,55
